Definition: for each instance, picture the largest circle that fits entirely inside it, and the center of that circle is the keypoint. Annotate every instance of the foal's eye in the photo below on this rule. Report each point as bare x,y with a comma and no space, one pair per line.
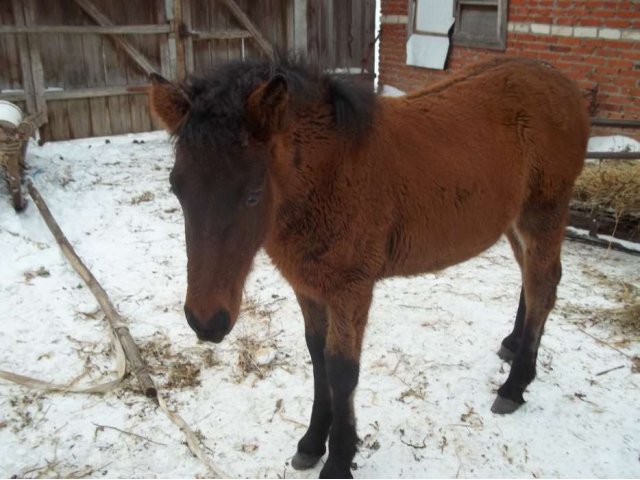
253,198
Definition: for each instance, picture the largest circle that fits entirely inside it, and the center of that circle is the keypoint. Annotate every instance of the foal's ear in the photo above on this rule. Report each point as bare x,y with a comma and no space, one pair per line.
267,107
168,102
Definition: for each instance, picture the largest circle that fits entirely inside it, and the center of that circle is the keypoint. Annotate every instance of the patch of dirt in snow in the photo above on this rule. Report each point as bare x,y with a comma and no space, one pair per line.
429,369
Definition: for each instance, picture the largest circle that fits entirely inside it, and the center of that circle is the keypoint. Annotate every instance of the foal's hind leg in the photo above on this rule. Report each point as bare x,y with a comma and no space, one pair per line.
542,231
311,446
511,342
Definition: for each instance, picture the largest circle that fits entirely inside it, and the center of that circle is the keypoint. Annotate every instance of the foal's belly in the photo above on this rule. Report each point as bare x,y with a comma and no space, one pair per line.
433,259
433,239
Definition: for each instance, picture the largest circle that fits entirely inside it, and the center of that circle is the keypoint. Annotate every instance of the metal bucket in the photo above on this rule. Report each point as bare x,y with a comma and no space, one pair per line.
10,114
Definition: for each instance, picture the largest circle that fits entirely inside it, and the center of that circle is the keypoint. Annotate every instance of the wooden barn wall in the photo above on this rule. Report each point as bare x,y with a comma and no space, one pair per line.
269,16
339,35
83,61
10,70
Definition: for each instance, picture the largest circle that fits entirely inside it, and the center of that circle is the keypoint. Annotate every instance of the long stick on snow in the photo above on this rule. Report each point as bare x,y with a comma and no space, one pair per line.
123,338
139,369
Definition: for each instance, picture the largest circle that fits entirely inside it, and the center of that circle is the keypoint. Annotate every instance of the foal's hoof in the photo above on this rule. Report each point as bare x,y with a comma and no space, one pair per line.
305,461
333,471
505,354
504,406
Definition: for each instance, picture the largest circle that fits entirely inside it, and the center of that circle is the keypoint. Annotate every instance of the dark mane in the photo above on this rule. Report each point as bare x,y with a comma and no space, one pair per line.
218,98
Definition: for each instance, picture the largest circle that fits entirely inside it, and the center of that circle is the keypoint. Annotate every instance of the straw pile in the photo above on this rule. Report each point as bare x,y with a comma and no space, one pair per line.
615,186
611,185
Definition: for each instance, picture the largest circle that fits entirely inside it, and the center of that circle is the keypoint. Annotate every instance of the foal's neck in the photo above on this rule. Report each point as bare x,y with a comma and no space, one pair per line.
309,154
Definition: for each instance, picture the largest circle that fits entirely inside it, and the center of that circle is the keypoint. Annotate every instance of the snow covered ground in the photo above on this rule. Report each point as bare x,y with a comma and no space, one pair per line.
429,368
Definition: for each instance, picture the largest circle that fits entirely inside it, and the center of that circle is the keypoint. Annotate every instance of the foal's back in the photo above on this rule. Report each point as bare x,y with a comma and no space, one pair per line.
459,161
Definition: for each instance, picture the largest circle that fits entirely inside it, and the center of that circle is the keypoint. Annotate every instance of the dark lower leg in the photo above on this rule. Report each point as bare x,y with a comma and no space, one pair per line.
511,342
343,377
523,371
312,445
541,295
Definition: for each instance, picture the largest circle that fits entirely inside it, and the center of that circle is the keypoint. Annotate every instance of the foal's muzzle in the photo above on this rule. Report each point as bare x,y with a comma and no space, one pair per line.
212,330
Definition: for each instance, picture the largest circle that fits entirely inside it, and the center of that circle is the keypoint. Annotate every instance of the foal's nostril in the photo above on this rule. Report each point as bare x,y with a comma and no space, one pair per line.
214,330
218,325
192,321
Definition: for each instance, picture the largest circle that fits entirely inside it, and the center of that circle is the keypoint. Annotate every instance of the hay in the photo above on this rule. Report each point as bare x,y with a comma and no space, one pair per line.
610,185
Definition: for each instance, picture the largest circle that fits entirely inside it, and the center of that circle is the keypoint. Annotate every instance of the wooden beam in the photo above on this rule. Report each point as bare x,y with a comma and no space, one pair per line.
613,155
101,19
86,29
93,92
246,22
615,122
229,34
600,242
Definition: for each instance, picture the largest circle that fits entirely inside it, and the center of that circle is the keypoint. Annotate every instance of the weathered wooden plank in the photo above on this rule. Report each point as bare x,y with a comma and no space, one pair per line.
219,17
227,34
313,30
79,116
37,71
300,26
176,46
188,41
140,121
200,12
23,51
86,29
140,60
165,60
92,61
92,92
58,125
246,22
328,24
10,76
99,112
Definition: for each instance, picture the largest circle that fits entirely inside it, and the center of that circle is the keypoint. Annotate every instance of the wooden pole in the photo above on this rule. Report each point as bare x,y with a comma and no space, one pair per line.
138,367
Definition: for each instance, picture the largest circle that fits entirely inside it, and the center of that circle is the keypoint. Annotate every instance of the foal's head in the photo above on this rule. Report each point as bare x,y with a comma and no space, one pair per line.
224,128
228,128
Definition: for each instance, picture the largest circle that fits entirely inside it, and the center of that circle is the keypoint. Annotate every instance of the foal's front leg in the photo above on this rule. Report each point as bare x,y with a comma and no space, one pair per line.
347,321
311,446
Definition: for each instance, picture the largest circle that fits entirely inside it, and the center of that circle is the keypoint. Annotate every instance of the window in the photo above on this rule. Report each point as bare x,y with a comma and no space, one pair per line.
430,22
476,23
481,23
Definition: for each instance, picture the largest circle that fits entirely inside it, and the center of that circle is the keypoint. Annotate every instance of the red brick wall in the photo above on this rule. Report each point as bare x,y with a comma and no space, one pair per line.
597,43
